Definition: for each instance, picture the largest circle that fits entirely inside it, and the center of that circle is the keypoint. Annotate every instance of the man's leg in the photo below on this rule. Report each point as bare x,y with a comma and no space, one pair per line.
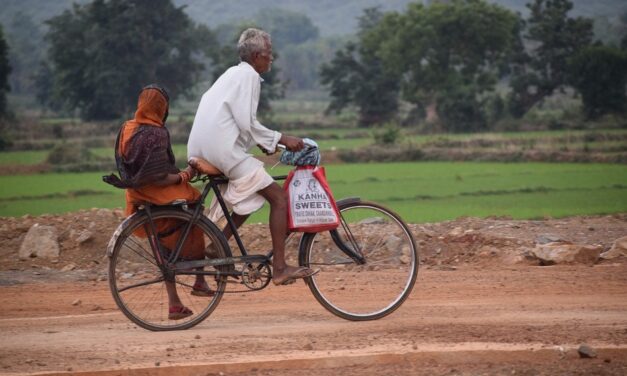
238,219
277,198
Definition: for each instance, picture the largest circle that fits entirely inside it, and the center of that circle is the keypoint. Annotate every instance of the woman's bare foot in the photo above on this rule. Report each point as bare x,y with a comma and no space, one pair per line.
201,288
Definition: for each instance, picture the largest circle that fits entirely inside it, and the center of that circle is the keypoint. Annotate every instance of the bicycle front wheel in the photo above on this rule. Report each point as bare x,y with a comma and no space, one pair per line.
368,264
138,284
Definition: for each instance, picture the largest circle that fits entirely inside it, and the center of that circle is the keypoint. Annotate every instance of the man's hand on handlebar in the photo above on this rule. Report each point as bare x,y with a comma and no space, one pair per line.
292,143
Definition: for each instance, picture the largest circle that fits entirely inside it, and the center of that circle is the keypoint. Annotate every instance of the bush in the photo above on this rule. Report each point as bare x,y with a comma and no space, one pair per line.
65,153
387,135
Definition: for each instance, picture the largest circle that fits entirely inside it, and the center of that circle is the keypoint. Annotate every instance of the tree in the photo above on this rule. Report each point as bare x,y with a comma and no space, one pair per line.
356,75
599,73
449,54
5,69
300,64
26,41
552,38
102,53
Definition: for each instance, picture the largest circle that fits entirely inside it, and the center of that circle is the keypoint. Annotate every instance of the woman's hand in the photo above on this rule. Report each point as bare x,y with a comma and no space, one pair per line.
191,171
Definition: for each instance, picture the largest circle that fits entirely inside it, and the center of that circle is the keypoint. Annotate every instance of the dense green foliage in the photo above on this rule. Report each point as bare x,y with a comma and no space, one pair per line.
446,59
445,53
553,37
104,52
460,55
26,44
356,75
5,69
600,74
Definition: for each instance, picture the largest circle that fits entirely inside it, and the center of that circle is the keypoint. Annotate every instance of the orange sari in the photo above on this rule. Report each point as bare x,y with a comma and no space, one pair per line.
151,110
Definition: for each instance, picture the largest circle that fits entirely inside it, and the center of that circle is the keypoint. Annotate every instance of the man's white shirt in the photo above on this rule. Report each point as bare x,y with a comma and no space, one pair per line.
226,125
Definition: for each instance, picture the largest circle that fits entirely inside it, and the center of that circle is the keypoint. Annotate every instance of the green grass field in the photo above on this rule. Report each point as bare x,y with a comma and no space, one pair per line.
420,192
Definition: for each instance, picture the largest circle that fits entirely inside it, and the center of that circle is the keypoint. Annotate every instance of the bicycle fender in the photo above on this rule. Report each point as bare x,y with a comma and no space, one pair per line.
347,200
117,232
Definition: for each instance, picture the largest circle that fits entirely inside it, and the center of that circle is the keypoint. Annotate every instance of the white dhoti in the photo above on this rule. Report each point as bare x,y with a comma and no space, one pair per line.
240,195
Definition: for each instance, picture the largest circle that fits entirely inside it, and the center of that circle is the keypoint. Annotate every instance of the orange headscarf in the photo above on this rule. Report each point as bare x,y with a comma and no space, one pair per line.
152,107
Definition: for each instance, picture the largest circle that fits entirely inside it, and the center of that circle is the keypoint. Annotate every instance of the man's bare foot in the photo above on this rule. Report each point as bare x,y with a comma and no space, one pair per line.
291,273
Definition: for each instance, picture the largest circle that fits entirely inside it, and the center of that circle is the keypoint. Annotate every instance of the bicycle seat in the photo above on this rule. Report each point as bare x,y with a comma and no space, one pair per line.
204,167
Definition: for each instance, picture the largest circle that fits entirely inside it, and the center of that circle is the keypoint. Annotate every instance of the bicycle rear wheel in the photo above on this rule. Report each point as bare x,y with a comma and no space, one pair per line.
372,289
138,284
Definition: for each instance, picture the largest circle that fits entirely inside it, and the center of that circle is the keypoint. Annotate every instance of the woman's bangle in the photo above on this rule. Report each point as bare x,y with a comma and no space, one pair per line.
184,175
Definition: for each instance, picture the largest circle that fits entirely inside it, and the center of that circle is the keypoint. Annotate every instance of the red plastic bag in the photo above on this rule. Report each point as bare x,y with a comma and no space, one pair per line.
311,207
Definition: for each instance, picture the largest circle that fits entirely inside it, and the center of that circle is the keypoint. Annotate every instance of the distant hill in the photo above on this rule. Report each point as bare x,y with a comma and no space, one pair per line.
331,16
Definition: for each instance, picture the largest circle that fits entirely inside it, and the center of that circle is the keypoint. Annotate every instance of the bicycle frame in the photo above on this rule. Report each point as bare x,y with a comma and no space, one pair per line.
183,267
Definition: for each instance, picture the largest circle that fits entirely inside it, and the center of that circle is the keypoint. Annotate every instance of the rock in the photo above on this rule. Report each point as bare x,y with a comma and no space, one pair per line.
513,258
586,351
548,238
68,267
40,241
308,347
619,248
488,251
76,302
563,253
104,213
426,232
457,231
84,236
445,267
392,243
372,221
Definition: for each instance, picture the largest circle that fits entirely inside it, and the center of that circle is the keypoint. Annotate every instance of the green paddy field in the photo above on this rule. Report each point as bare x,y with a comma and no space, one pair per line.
418,191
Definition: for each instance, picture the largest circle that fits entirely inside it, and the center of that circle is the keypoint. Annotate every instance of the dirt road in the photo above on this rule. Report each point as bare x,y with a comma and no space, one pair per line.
514,320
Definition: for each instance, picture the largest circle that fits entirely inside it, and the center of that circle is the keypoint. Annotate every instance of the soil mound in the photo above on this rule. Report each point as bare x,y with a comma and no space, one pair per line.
83,237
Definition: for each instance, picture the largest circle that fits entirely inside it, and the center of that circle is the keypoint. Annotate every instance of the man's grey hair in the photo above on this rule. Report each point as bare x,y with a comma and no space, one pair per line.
252,41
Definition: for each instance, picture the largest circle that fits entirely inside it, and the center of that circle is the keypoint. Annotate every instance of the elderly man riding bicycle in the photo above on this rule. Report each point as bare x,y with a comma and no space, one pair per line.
226,128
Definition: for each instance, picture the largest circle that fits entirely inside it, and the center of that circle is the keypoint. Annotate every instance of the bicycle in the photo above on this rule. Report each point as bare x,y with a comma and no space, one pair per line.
368,265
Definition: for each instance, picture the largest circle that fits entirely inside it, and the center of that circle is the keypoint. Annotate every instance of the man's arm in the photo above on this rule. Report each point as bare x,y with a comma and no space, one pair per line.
244,110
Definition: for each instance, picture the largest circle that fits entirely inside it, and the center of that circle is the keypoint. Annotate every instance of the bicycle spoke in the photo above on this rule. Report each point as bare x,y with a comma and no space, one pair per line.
146,283
139,253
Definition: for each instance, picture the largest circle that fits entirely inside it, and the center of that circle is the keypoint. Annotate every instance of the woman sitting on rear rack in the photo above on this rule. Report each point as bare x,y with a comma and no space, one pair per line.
146,164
